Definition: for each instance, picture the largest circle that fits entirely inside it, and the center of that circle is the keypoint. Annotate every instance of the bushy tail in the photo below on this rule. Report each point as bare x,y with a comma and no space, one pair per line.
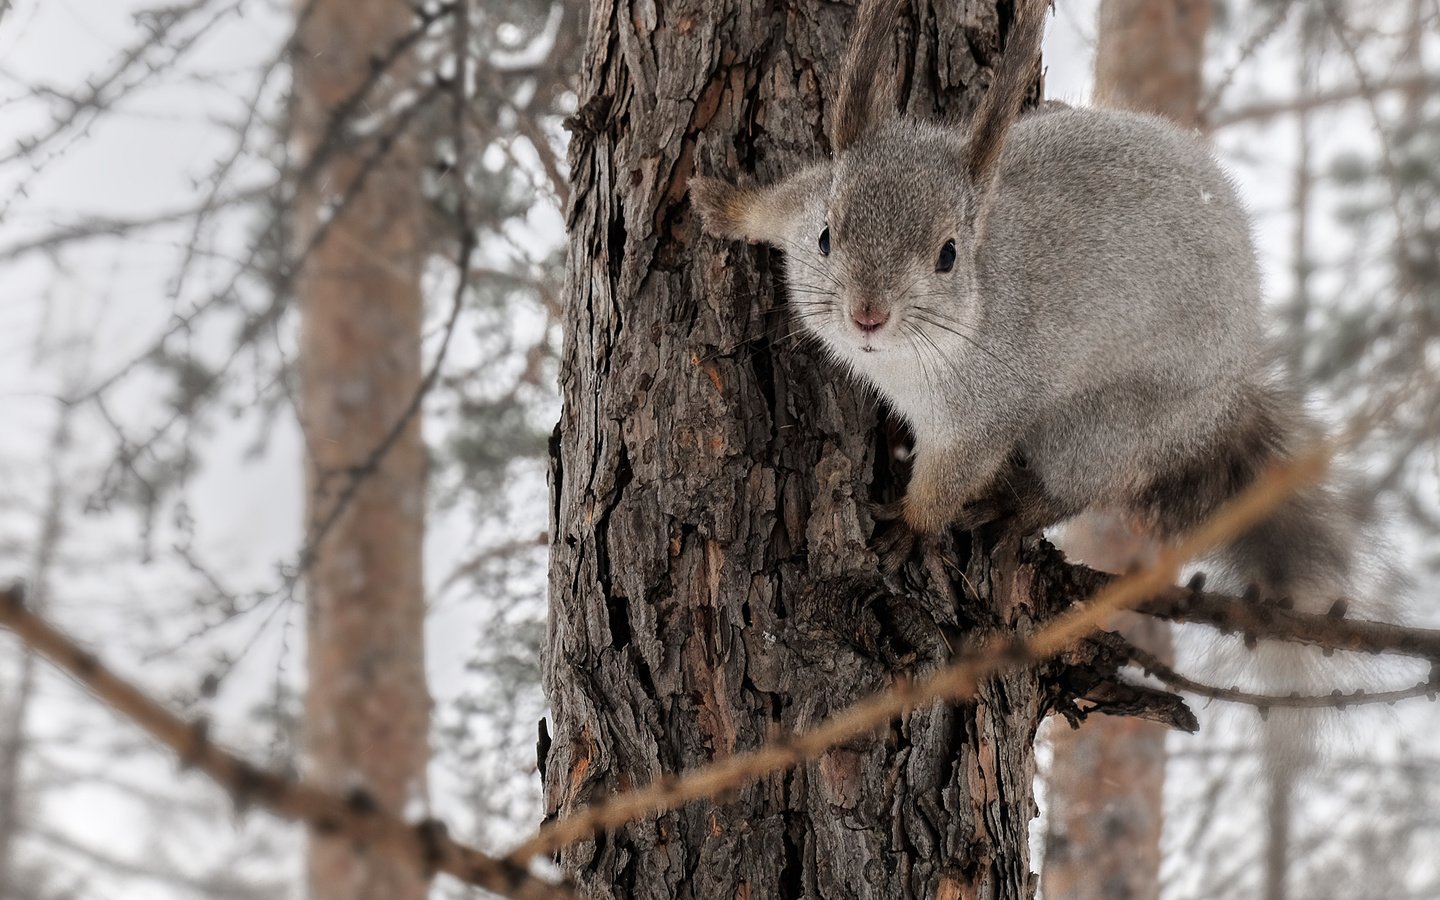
1313,554
1303,556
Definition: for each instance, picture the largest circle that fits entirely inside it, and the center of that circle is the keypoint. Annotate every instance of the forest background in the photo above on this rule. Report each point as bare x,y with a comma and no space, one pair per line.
153,484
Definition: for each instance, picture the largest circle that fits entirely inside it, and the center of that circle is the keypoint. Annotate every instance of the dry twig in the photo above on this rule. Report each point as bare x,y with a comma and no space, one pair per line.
1337,699
426,845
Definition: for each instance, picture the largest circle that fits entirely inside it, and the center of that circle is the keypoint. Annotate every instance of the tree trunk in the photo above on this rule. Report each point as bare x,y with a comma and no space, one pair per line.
711,584
1150,57
1106,785
367,708
1106,782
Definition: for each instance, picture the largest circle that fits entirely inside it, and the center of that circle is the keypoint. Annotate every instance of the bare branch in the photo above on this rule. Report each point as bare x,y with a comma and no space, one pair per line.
216,888
1269,109
1334,700
1278,14
107,227
1270,621
425,845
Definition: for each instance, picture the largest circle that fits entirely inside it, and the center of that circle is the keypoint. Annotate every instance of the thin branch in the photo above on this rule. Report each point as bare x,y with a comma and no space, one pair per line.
425,845
16,744
1252,44
98,95
1271,621
1153,666
1338,27
260,321
1269,109
213,887
332,142
108,227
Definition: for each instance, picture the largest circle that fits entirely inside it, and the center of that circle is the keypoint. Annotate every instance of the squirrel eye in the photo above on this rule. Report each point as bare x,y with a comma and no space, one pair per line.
947,257
825,241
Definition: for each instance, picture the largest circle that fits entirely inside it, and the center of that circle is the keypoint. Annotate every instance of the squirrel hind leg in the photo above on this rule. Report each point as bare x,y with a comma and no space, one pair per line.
1034,507
1022,502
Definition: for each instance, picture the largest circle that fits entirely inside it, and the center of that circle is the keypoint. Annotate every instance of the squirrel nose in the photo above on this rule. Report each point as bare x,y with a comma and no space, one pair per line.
869,320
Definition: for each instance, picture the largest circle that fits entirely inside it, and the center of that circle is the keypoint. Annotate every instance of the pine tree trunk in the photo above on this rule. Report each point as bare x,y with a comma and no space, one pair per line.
367,708
1150,57
711,584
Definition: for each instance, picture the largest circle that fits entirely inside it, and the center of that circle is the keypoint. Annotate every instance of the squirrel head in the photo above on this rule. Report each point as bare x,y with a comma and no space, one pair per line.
879,245
881,241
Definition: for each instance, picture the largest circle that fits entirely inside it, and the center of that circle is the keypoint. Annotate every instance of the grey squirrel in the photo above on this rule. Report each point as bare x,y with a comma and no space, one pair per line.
1064,306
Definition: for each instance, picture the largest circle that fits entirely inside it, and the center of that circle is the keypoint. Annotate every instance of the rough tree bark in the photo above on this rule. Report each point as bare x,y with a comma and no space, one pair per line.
1106,784
711,583
367,708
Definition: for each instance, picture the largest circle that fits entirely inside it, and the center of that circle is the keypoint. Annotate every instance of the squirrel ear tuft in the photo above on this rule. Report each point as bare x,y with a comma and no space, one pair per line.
861,105
1017,71
723,207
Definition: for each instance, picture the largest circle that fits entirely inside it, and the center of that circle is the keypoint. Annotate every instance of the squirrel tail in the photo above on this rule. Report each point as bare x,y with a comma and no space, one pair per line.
1302,556
1306,555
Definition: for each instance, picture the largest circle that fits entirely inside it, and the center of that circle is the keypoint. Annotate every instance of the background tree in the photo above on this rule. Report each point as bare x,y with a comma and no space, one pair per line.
362,248
196,377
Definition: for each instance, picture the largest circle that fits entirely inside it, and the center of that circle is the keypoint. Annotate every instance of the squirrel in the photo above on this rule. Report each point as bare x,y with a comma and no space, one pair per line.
1064,306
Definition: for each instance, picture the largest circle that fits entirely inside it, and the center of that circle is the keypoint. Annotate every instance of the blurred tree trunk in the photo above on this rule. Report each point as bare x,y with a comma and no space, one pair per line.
367,708
1107,780
1150,57
711,584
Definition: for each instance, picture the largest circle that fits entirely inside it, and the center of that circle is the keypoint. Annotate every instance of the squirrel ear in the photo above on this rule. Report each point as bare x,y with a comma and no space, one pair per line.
761,215
723,207
1019,67
859,106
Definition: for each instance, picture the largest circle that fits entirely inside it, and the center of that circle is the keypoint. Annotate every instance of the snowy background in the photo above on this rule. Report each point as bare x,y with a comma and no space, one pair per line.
175,519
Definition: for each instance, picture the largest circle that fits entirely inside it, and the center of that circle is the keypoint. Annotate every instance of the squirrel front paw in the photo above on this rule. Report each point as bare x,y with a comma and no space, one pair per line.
911,530
897,543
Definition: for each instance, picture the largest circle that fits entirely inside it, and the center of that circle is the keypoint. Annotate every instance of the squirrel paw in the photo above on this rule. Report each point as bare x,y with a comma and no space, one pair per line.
896,545
901,542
